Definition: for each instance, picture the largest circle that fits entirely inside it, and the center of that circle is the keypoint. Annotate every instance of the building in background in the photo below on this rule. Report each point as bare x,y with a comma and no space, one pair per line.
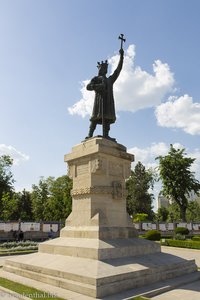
165,202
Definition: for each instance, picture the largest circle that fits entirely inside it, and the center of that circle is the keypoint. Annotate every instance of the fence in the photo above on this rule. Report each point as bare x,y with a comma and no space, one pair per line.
29,230
167,227
44,230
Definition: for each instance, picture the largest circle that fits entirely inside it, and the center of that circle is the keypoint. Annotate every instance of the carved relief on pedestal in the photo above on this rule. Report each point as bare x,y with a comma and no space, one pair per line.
92,190
98,165
117,190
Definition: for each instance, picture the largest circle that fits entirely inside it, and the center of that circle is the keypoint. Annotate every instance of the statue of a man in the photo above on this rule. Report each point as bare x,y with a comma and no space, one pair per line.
104,106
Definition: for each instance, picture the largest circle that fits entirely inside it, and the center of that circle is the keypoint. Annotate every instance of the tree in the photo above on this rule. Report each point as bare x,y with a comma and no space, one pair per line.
193,211
24,206
177,179
140,218
51,199
59,204
139,200
162,214
6,177
39,198
174,212
9,207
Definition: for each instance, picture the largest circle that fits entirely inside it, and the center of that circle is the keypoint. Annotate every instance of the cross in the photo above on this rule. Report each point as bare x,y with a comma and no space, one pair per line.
121,37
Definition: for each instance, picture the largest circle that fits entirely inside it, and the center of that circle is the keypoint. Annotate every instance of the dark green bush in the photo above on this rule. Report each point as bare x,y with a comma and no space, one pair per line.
183,244
180,237
153,235
182,230
166,236
196,238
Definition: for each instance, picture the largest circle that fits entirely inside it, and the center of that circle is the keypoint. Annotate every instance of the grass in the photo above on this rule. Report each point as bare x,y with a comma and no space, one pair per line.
33,293
24,290
139,298
7,253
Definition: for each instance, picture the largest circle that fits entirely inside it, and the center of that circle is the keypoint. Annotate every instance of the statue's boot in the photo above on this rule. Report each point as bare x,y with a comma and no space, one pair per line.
91,130
106,129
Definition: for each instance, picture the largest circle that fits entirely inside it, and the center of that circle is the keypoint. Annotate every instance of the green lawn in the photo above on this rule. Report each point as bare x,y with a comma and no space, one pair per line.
24,290
33,293
139,298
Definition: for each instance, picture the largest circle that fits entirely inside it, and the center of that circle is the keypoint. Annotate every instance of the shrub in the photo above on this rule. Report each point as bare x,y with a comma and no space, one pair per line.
179,237
140,217
182,230
166,237
153,235
16,244
196,238
183,244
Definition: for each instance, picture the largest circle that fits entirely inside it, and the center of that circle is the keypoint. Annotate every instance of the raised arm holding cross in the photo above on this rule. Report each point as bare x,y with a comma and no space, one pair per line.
121,37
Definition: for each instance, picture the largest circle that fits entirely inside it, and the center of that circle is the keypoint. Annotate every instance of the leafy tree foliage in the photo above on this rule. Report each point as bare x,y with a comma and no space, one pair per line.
51,199
39,197
139,200
177,178
16,206
24,206
174,212
193,211
140,218
9,207
6,176
59,202
162,214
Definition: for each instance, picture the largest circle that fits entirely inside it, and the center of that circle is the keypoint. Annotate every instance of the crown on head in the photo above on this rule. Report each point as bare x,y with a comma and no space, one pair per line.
102,64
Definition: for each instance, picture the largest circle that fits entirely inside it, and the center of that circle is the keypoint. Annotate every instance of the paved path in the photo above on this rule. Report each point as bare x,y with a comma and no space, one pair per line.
187,292
3,258
184,253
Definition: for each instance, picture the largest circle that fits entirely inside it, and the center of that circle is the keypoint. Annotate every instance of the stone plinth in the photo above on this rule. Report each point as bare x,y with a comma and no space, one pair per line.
98,252
99,168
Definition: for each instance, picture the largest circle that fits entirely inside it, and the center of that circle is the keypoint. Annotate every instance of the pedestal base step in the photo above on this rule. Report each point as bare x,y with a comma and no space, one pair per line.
95,278
99,249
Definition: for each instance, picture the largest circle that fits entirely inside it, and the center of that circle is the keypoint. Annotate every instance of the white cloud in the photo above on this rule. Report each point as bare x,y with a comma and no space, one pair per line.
181,113
84,106
16,155
147,155
134,89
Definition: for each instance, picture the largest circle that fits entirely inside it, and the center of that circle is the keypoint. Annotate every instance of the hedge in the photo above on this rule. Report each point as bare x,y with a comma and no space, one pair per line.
196,238
153,235
182,230
183,244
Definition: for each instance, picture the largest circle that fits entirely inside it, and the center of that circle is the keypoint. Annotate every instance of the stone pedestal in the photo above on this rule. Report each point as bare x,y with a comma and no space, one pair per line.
98,252
99,168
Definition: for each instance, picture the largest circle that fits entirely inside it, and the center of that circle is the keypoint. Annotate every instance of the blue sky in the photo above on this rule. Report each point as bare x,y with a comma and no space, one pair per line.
48,51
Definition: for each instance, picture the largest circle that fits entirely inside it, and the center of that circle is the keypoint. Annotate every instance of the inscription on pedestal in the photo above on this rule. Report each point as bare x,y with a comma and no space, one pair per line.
82,169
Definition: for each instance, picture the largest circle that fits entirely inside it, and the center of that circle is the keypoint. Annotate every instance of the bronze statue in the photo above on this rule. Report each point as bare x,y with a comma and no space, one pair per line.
104,107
